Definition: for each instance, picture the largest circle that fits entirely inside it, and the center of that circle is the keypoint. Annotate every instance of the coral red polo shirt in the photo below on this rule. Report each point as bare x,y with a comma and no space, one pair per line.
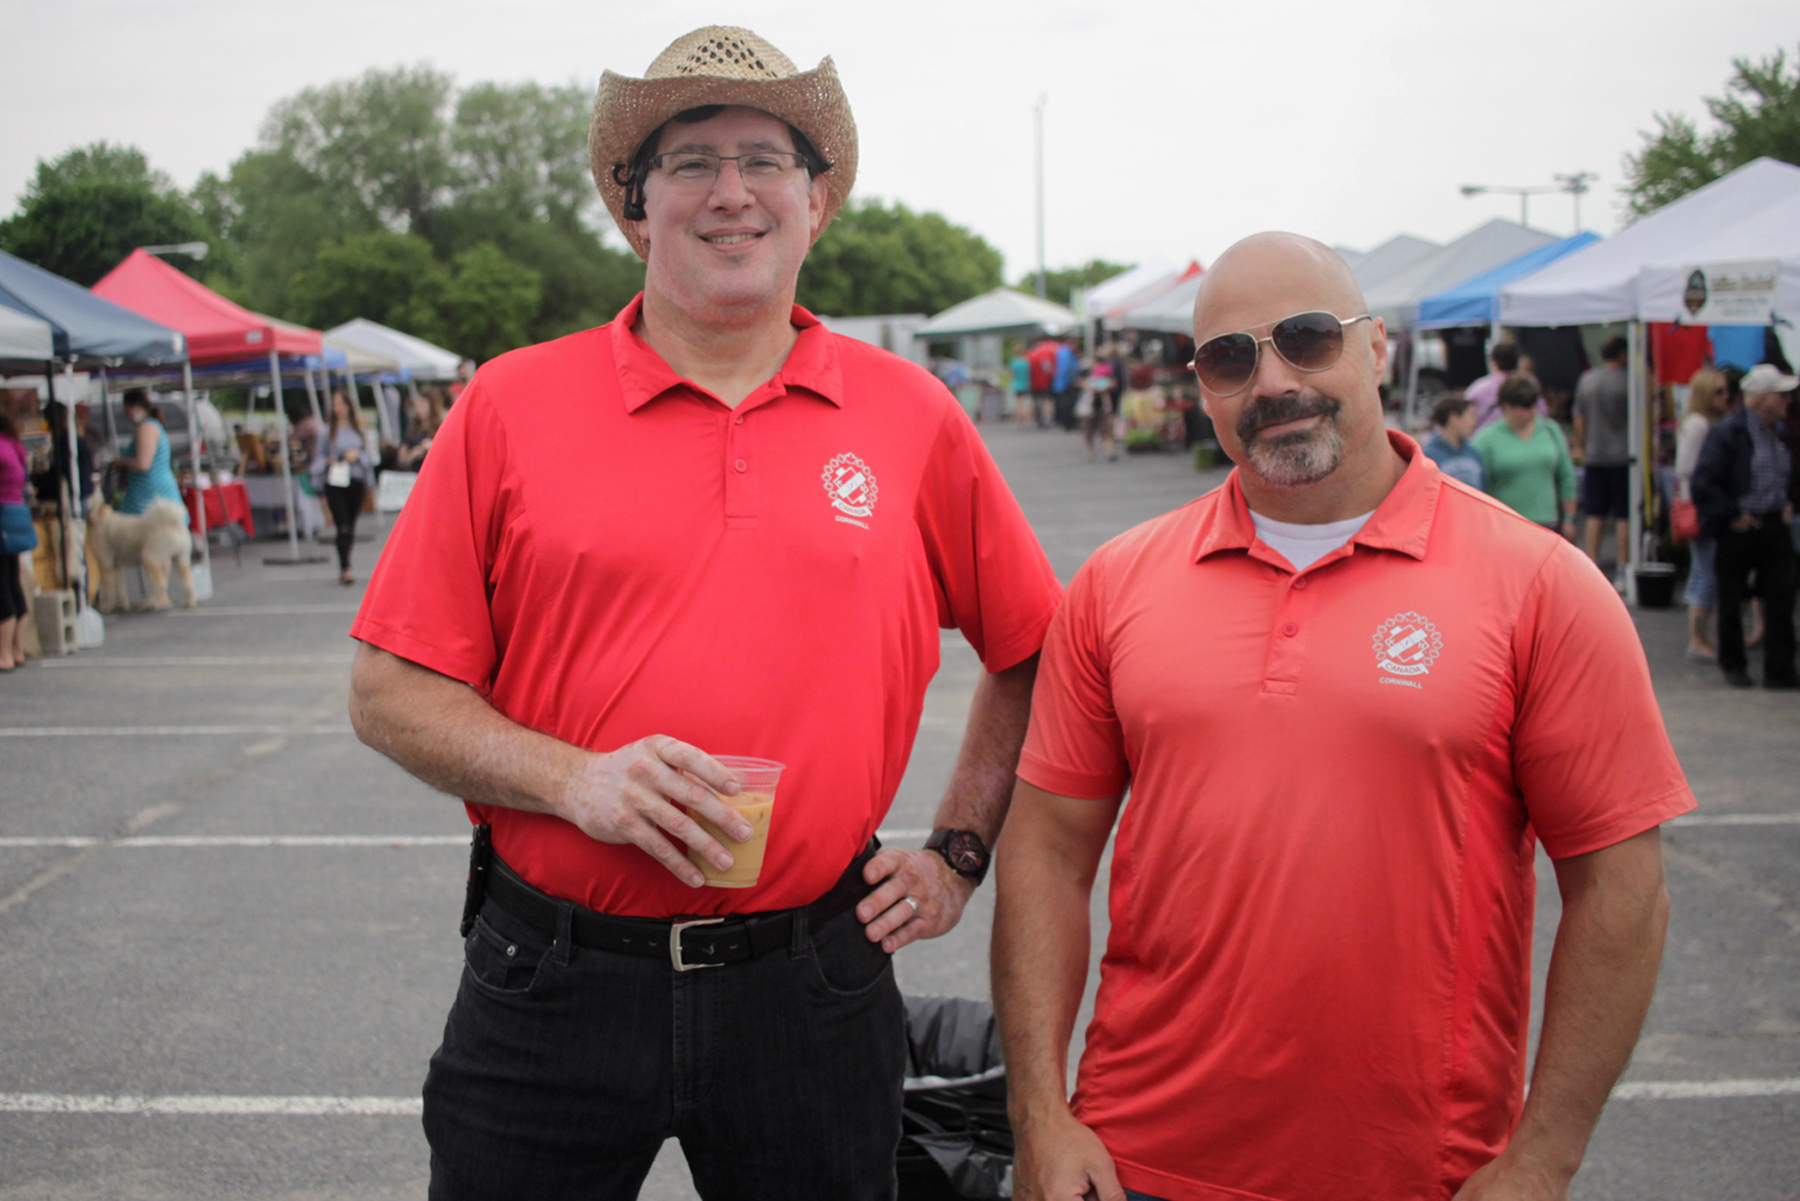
605,552
1318,973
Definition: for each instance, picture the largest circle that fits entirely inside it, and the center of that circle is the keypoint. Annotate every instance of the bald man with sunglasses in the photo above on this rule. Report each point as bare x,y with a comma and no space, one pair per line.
1348,695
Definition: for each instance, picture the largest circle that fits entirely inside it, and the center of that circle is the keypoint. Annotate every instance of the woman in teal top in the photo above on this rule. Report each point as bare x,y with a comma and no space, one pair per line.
148,477
1525,459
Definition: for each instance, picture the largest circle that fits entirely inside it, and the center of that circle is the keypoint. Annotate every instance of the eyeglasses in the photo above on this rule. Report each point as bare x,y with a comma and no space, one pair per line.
1306,341
698,169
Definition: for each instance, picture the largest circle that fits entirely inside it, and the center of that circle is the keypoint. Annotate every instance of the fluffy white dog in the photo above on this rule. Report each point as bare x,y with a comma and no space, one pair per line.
153,539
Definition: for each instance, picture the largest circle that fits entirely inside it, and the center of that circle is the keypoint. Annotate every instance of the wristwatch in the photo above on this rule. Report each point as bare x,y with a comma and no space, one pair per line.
963,850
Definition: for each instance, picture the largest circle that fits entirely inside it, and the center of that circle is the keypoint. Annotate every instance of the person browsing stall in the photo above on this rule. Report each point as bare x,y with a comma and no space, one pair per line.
149,476
1742,494
710,527
1349,695
1452,425
1525,458
1602,415
343,472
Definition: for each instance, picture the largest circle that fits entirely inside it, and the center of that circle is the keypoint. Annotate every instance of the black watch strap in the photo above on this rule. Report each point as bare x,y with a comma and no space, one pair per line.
964,850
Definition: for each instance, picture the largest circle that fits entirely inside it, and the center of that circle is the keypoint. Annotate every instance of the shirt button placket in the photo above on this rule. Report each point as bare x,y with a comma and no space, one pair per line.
740,492
1282,672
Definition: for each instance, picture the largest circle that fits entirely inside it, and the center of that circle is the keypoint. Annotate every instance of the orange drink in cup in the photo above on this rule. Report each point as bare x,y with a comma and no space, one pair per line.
755,803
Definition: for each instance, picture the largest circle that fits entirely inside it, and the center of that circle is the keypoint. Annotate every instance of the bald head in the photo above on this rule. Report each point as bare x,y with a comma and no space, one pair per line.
1269,276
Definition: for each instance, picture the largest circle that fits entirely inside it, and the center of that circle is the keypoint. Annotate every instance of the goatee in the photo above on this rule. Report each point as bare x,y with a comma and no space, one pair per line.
1295,459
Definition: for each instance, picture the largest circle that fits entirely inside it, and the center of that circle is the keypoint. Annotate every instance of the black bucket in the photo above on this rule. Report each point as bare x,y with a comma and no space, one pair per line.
1655,585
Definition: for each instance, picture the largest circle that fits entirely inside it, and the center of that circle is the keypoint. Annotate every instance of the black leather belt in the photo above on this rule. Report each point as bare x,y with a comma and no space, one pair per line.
688,943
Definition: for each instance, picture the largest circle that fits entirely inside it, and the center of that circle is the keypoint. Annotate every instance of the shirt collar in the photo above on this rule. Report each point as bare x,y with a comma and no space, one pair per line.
1401,522
812,366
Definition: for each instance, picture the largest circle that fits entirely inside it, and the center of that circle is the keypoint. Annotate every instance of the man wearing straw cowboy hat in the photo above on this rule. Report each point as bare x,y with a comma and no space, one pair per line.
710,527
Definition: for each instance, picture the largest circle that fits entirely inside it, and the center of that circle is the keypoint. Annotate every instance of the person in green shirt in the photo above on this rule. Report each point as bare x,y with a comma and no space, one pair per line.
1525,458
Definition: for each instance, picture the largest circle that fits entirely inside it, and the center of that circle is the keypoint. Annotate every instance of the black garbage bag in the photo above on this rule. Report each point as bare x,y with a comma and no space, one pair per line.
955,1139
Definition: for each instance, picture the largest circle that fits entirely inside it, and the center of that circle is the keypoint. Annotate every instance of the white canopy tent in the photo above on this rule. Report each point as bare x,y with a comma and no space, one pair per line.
25,338
414,359
1170,313
1394,255
418,359
1395,299
1126,290
1600,284
1001,312
1771,234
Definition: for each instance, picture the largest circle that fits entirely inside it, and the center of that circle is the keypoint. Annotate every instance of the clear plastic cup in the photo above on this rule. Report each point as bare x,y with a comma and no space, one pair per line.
755,802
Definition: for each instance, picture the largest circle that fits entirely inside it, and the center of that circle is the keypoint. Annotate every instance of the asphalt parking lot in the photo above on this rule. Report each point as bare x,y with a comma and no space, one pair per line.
228,931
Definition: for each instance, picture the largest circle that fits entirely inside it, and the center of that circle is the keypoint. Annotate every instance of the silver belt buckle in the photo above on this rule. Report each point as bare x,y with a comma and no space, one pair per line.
675,930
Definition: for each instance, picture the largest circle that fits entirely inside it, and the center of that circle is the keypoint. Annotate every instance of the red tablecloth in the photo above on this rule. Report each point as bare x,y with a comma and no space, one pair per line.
225,503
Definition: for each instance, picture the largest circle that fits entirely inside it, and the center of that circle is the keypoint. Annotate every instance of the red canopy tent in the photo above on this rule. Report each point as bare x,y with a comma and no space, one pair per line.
217,331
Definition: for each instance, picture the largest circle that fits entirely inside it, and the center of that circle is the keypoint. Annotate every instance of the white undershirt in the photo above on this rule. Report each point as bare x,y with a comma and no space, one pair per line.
1304,545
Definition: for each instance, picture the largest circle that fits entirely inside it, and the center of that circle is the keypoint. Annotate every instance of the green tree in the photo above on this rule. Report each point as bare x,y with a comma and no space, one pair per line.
272,216
98,162
521,149
87,210
876,258
1759,116
387,277
488,303
1061,285
524,188
380,141
82,231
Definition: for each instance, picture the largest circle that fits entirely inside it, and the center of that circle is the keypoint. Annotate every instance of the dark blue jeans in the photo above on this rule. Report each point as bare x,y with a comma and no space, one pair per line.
563,1070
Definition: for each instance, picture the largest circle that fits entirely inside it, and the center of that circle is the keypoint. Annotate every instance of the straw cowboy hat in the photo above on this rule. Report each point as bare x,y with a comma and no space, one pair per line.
720,64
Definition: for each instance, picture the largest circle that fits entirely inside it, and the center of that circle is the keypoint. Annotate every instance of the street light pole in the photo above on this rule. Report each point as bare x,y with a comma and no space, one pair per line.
1037,116
193,250
1574,184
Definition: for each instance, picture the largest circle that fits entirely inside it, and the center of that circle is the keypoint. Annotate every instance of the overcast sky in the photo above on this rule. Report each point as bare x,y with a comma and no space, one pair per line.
1171,129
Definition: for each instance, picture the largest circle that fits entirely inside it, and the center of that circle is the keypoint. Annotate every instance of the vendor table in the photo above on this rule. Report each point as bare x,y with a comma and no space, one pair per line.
225,503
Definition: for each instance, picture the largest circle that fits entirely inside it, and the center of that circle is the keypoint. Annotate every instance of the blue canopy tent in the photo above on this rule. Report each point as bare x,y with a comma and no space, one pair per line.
1477,301
86,330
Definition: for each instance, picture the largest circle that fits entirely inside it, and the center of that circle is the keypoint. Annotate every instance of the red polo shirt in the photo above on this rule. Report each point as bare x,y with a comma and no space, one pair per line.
605,552
1318,974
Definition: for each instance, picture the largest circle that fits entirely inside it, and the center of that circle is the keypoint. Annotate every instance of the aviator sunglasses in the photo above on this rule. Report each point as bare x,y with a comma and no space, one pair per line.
1306,341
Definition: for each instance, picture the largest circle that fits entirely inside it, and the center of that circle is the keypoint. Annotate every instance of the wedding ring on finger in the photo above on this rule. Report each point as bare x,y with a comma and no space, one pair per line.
914,902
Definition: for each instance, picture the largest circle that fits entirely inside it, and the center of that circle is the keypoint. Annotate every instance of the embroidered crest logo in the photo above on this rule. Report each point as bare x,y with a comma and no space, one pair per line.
851,487
1407,644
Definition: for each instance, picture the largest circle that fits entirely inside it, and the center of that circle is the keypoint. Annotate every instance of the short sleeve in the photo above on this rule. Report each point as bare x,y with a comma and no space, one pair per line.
427,599
1075,746
1591,756
993,580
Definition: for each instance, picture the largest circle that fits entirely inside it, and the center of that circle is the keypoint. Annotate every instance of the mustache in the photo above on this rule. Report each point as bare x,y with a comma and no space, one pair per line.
1290,406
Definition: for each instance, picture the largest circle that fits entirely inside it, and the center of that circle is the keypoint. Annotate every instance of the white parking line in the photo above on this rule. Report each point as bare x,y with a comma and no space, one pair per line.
139,841
1704,1090
1737,819
212,1106
202,661
245,840
256,610
162,731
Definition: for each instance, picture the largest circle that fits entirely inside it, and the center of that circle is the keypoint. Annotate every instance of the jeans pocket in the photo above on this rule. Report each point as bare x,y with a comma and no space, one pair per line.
845,963
504,962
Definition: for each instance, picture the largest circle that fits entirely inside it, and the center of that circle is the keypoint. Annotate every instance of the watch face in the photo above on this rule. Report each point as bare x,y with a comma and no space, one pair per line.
965,853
